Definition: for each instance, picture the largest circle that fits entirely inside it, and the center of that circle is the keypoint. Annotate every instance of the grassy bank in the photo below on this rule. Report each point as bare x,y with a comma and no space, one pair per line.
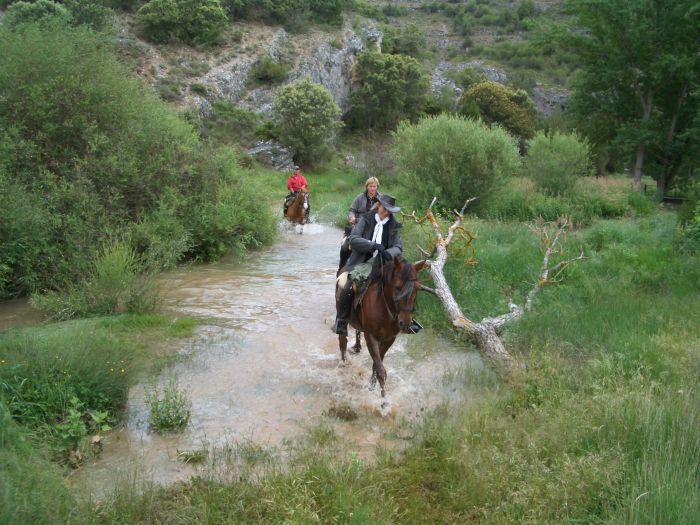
600,428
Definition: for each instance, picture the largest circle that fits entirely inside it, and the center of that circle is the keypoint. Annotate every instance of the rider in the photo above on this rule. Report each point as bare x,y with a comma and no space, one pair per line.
376,233
295,182
364,202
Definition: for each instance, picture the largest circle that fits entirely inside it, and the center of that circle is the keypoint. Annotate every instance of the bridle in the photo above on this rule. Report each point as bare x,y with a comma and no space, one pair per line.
406,290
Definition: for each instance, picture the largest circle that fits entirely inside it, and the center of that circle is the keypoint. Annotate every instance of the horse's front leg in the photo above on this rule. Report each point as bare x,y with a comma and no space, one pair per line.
343,344
378,370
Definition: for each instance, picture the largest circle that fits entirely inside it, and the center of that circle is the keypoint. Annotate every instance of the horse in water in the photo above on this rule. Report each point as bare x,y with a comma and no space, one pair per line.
384,310
297,210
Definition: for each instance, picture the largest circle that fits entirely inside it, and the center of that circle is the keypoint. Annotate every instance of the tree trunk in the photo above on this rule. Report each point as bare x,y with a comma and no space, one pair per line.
638,164
646,101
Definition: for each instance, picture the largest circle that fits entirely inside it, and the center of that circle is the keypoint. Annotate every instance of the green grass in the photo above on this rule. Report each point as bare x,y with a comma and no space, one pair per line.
600,427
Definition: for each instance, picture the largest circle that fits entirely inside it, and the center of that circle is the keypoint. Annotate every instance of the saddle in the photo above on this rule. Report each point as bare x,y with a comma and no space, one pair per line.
362,276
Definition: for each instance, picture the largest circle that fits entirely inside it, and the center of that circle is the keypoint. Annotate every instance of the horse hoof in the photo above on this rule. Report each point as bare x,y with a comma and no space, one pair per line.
356,349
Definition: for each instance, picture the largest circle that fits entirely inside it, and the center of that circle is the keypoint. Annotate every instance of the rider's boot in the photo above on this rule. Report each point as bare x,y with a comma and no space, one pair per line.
343,313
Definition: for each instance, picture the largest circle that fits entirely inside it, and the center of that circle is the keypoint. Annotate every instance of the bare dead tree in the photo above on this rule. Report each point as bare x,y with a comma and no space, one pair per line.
485,334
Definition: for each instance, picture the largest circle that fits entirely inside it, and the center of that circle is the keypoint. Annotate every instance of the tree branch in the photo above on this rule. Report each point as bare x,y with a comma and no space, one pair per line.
485,333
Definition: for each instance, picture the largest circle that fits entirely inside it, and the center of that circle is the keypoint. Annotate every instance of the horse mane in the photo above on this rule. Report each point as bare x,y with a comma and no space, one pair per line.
385,271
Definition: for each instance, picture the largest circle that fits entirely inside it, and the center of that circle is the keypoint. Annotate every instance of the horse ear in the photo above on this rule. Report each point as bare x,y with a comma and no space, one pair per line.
419,265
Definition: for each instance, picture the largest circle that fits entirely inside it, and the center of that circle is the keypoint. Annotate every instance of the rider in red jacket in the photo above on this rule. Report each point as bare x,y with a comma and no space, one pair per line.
295,182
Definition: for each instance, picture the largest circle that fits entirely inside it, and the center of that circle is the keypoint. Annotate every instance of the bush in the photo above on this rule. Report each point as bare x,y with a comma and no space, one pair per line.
114,285
41,12
199,22
499,104
389,88
453,158
268,71
169,407
409,40
308,118
73,175
556,161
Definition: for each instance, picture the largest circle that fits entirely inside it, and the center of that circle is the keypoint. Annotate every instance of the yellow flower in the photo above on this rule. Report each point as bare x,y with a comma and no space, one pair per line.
122,370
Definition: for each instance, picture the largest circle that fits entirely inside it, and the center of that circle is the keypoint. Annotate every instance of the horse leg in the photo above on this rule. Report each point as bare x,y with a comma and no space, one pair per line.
358,343
343,344
378,370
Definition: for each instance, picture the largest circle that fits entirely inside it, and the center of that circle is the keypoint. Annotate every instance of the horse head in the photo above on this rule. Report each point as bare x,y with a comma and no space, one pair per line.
404,279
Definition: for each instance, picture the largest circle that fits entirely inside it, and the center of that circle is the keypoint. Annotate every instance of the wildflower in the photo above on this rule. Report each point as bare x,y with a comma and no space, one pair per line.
122,370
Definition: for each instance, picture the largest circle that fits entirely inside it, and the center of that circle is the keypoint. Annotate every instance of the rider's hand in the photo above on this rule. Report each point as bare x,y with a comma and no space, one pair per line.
353,220
386,256
379,247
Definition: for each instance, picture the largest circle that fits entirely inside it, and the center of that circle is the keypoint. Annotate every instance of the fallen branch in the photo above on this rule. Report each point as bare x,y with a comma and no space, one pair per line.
486,333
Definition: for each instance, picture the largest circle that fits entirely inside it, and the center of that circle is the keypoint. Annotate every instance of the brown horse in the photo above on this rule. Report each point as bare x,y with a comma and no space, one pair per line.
297,212
385,310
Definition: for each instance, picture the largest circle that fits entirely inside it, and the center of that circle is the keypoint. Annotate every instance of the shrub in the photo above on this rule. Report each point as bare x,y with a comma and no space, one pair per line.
41,12
169,407
268,71
453,158
389,88
409,40
499,104
308,118
199,22
556,161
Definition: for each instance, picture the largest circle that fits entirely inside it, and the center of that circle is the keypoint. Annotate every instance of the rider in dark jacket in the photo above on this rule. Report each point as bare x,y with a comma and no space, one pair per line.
363,203
375,234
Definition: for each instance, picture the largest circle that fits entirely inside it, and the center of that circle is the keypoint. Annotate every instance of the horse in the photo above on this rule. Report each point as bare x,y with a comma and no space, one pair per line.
297,210
385,309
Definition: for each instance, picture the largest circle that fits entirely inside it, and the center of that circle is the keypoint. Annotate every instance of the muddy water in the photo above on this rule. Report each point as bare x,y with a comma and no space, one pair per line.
265,367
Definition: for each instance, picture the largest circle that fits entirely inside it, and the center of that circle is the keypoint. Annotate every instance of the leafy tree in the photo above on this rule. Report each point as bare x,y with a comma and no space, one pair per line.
199,22
499,104
640,62
556,161
308,118
388,89
453,158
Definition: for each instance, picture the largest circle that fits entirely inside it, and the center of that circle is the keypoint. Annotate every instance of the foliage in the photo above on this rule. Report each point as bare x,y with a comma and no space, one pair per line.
292,13
113,285
389,88
169,407
86,155
453,158
41,11
32,489
689,241
227,216
52,378
470,76
199,22
407,40
554,162
91,13
502,105
637,98
228,124
268,71
308,118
